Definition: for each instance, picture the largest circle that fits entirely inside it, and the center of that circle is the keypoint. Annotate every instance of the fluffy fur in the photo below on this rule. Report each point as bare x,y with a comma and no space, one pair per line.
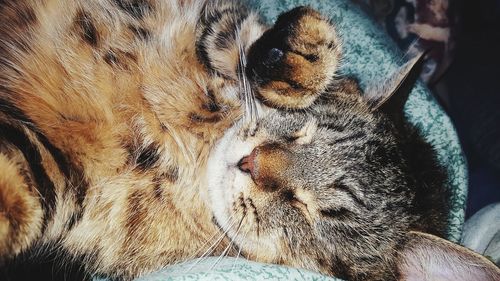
131,139
109,110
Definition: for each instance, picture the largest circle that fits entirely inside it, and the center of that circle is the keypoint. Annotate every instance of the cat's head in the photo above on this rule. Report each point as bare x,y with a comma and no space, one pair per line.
308,189
326,188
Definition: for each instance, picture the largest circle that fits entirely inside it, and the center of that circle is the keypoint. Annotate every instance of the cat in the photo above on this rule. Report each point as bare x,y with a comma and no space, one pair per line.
138,133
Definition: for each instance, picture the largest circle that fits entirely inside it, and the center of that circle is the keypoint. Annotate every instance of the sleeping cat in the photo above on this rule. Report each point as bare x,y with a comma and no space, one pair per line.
138,133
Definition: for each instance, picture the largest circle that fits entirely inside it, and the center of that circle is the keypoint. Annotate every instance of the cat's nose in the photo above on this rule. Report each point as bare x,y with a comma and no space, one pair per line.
267,165
247,163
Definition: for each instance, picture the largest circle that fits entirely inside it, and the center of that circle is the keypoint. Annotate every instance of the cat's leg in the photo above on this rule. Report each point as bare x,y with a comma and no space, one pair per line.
289,64
20,209
224,33
293,62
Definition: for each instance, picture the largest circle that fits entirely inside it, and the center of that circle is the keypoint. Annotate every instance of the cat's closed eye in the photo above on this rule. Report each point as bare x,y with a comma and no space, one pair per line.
291,139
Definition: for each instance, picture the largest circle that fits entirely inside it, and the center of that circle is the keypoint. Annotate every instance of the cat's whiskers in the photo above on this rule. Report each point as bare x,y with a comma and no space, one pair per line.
212,248
240,246
209,240
215,236
226,250
245,89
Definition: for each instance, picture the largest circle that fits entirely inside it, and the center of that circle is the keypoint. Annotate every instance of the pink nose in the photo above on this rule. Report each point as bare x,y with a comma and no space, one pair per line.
247,163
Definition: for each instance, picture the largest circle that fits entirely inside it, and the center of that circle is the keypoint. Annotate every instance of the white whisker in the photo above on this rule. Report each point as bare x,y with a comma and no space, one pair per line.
212,247
245,89
243,237
217,236
226,250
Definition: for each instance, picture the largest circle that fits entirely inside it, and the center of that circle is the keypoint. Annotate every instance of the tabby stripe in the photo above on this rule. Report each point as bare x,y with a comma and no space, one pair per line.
148,157
33,157
340,185
74,178
334,127
196,118
227,33
140,32
73,174
74,219
135,8
207,23
211,105
340,213
88,29
12,111
309,57
352,137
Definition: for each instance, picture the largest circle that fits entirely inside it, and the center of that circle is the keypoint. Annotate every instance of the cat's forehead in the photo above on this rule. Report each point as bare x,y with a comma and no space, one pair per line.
329,149
322,126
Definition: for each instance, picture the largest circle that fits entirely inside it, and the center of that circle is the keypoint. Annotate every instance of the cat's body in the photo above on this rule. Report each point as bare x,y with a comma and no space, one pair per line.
110,113
115,118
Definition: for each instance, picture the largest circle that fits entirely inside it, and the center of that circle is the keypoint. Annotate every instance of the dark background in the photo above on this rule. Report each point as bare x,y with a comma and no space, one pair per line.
469,92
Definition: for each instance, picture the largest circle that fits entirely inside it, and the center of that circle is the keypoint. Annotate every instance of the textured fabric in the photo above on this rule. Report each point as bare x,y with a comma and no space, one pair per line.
481,232
232,269
369,55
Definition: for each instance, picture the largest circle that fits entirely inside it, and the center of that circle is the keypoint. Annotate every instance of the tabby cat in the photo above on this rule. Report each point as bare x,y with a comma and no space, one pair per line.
135,134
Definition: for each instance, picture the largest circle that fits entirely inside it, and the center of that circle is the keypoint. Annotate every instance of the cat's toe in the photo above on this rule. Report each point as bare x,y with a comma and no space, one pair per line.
295,60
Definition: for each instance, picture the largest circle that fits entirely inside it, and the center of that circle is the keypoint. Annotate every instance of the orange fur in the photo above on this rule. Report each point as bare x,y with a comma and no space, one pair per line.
100,91
111,110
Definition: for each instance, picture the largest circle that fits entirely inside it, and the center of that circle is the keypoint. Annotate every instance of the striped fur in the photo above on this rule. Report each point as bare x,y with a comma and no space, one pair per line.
108,110
113,111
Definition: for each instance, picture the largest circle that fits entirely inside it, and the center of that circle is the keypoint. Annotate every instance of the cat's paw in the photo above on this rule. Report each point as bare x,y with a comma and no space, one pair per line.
293,62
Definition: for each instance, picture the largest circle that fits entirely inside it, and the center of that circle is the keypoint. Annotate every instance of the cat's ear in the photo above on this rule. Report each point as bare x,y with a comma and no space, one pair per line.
426,257
390,96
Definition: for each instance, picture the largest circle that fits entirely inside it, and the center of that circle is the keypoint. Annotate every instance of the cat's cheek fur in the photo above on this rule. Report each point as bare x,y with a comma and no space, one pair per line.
221,172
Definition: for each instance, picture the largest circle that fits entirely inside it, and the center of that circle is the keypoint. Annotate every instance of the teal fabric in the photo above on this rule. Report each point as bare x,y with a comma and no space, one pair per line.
232,269
369,55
